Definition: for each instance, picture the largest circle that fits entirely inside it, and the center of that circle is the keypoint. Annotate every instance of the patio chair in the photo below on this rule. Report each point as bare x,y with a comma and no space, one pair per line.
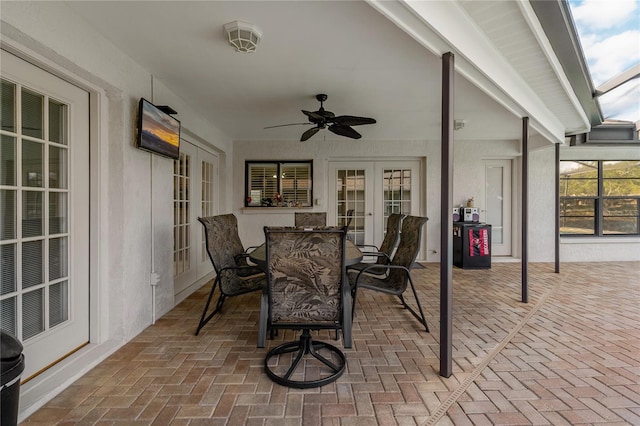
234,275
394,277
310,219
306,291
386,250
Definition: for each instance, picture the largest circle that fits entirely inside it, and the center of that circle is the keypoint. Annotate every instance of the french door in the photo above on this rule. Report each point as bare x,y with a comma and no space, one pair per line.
374,190
498,205
44,193
195,177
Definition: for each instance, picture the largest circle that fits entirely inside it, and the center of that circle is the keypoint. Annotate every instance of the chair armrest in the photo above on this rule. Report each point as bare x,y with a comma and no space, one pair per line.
368,245
239,269
377,254
378,269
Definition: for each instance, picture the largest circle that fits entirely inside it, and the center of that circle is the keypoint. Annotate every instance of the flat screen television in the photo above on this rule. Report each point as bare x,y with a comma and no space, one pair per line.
158,132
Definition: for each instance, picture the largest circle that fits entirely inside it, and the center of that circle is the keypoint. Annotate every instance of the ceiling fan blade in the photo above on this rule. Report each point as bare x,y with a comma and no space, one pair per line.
284,125
350,120
344,131
306,135
316,118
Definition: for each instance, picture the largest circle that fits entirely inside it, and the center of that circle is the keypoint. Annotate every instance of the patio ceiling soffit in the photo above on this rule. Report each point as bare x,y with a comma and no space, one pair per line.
436,25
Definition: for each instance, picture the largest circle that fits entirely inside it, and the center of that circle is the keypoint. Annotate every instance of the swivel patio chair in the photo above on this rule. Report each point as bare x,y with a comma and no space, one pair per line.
394,277
310,219
234,275
386,250
306,291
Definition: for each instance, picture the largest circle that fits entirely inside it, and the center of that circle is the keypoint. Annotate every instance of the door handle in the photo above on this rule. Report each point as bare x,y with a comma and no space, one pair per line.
369,214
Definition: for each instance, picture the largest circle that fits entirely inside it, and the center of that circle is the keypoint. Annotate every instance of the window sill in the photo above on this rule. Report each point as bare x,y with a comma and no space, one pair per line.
261,210
600,240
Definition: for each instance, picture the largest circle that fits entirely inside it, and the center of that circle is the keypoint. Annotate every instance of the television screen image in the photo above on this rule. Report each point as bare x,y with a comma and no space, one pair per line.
157,131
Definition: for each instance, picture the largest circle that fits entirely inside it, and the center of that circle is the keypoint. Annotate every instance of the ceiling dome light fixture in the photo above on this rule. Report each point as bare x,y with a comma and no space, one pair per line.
243,36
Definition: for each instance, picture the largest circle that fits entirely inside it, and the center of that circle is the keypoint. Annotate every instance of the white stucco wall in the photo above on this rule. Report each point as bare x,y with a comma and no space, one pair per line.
136,187
468,181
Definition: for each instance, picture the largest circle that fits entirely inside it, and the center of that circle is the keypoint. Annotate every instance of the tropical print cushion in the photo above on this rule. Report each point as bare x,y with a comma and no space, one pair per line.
223,241
305,275
225,251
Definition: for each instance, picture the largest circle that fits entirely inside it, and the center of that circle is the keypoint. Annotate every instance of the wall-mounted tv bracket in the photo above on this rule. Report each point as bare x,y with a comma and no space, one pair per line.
167,109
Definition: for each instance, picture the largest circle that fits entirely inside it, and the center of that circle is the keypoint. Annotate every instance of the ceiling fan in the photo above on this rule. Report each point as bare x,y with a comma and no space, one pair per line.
340,125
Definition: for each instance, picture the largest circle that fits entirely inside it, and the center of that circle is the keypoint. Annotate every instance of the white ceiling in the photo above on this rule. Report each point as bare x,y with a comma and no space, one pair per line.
346,49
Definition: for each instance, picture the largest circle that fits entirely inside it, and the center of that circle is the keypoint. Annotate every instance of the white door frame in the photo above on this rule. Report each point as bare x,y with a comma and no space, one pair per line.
374,212
42,349
502,237
201,269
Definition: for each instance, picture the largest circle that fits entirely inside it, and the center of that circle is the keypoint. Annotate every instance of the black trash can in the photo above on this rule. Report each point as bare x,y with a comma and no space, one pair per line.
11,368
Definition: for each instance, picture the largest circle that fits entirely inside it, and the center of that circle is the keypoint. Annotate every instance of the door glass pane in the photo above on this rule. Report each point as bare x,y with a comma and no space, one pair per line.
182,205
8,318
207,204
32,114
57,212
57,122
32,263
32,218
58,303
32,313
32,165
8,161
8,106
8,274
495,199
351,196
8,211
396,188
57,167
58,263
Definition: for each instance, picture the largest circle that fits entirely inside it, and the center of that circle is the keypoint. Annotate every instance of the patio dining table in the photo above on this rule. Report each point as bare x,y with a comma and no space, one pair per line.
353,255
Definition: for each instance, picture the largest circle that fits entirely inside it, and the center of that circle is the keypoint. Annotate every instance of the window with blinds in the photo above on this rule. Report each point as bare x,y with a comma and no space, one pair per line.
279,184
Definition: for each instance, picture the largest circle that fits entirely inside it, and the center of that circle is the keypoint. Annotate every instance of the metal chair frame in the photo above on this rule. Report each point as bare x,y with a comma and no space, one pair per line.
382,278
229,264
305,345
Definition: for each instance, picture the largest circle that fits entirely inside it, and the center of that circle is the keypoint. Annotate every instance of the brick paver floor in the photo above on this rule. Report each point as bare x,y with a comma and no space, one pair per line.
569,356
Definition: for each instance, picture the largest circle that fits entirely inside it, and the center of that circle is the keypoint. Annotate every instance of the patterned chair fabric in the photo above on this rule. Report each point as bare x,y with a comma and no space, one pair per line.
398,272
389,243
234,276
311,219
305,275
223,243
305,291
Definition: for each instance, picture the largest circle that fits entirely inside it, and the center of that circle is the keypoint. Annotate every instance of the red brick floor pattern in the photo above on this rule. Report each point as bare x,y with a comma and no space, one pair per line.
569,356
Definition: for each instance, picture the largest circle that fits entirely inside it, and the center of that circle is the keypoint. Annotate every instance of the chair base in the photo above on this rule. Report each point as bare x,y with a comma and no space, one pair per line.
303,347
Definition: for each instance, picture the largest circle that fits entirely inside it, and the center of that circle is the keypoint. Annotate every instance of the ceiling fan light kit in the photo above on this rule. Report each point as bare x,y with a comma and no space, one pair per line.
243,36
340,125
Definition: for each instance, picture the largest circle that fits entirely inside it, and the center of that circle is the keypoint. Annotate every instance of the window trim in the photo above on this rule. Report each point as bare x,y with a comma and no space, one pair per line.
279,165
599,198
